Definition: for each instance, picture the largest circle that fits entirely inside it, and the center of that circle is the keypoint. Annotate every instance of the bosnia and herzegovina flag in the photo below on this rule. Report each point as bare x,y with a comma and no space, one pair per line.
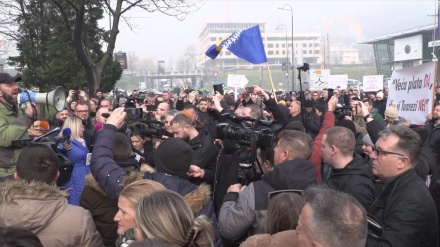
246,44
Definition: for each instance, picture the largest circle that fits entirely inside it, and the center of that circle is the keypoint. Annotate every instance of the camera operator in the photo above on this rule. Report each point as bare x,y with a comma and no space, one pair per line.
14,123
243,206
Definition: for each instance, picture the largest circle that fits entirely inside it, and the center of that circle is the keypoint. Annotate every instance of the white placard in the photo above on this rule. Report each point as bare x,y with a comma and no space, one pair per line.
372,83
337,81
318,78
235,80
412,90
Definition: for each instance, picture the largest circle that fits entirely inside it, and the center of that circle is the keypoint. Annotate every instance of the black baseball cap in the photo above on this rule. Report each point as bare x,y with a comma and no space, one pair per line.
6,78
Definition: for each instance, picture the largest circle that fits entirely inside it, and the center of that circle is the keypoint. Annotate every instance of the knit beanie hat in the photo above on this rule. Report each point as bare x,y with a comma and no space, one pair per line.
391,111
173,156
368,140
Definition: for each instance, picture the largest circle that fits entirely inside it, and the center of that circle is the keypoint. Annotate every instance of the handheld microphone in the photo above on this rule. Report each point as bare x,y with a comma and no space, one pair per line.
44,125
98,126
66,134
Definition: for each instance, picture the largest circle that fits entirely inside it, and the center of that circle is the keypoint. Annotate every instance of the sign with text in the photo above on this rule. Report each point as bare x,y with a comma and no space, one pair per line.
372,83
412,90
235,80
337,81
318,79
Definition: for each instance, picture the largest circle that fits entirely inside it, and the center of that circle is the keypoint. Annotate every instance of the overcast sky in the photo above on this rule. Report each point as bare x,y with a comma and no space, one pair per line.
165,38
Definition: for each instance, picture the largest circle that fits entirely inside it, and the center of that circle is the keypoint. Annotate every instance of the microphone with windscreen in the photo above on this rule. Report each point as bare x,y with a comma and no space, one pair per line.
67,132
98,127
44,125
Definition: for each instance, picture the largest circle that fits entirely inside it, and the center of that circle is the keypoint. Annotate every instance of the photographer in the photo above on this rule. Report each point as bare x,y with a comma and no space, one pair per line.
243,206
14,123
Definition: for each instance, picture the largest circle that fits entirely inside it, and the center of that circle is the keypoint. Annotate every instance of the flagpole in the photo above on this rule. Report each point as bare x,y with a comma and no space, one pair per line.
271,82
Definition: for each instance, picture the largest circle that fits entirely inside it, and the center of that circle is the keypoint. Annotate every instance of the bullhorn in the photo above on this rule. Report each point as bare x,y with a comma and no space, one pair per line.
55,98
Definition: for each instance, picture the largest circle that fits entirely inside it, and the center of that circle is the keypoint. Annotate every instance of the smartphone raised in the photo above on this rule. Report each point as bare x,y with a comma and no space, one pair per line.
151,108
250,89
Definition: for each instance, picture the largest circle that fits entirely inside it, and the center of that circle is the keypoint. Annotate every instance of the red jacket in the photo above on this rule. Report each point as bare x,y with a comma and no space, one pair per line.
316,157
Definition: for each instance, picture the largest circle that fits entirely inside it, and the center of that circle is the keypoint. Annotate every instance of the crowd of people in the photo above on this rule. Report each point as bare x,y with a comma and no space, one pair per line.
327,168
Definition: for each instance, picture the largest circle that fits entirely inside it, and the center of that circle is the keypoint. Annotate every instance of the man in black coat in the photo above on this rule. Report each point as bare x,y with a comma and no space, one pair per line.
350,172
404,208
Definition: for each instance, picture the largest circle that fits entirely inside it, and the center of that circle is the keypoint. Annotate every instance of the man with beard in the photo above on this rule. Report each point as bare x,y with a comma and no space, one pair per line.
205,152
14,123
57,120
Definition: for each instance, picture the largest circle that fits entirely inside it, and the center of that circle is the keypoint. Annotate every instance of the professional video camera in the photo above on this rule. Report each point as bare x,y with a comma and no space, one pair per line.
250,134
341,112
65,165
145,123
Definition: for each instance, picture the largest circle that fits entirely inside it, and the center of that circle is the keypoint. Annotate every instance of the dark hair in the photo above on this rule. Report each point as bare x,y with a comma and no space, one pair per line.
37,162
15,237
283,213
122,147
337,219
409,142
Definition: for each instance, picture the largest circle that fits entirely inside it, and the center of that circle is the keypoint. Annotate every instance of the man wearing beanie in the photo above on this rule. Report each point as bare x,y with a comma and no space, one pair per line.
172,159
392,116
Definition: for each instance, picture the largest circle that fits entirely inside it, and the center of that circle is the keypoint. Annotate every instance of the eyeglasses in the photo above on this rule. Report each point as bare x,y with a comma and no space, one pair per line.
379,152
272,194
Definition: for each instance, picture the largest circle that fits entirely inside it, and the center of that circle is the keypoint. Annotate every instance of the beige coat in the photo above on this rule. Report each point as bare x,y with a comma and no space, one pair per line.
280,239
43,209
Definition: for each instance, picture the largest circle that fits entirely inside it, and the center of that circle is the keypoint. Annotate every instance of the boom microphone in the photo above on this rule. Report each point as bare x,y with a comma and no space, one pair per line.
67,132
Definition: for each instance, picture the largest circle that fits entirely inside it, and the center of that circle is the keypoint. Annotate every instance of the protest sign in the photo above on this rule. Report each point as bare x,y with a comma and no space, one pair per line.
337,81
412,90
318,79
372,83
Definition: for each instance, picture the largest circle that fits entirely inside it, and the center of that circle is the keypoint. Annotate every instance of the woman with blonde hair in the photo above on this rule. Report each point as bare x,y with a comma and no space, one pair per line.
75,149
166,216
128,198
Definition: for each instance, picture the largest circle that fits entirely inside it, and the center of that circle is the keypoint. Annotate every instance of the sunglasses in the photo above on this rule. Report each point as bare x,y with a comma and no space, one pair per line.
272,194
379,152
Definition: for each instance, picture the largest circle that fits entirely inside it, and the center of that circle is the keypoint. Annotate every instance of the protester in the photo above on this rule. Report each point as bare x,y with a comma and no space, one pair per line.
165,215
14,123
279,224
331,218
405,210
34,203
169,172
17,237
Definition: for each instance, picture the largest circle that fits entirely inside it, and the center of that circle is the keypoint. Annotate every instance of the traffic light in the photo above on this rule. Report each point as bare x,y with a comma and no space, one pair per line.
284,66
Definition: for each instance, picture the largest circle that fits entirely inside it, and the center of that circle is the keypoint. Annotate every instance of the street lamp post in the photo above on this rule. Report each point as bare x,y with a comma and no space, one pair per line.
281,27
293,56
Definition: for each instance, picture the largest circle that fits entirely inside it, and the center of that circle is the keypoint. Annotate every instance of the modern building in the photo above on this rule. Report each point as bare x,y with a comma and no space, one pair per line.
277,43
405,49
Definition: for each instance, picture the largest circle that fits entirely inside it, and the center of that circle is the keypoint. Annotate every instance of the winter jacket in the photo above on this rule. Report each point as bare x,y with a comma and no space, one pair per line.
407,212
13,126
434,138
313,124
43,210
204,155
242,212
280,239
316,157
356,179
110,177
103,210
77,155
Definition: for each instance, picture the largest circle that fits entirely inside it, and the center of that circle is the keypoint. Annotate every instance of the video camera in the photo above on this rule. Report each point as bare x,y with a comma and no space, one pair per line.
250,134
145,123
65,166
341,112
